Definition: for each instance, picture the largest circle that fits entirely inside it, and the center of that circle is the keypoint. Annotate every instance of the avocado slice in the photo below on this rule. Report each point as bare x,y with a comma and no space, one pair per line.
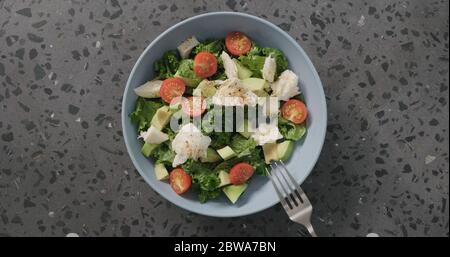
161,117
224,178
243,72
175,107
254,84
299,132
150,89
147,149
285,149
190,82
233,192
226,153
206,89
245,129
261,93
211,156
270,152
161,171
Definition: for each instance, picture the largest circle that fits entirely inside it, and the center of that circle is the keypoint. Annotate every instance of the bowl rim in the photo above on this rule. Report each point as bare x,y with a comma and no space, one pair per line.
170,29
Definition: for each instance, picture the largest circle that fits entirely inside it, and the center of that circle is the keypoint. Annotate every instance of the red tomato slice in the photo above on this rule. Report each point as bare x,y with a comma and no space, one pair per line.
295,111
193,106
205,64
237,43
171,88
179,180
240,173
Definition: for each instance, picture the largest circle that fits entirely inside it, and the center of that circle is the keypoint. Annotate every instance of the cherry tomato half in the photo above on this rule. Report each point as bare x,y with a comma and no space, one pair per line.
171,88
240,173
237,43
179,180
205,64
294,110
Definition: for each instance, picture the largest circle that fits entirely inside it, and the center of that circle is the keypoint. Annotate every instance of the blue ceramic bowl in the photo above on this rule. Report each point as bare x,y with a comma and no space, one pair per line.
260,193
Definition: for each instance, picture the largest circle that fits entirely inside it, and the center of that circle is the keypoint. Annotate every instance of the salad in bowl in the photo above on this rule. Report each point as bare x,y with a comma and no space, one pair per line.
217,113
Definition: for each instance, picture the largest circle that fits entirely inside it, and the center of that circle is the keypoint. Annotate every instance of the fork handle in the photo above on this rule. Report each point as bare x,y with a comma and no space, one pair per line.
310,229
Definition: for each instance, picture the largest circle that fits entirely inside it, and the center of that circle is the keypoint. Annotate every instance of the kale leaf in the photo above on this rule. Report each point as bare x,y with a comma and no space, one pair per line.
167,65
204,179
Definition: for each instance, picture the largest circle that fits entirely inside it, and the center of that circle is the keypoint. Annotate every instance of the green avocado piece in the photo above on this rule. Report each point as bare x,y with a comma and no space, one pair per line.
226,153
190,82
161,117
147,149
285,149
224,178
254,84
270,151
261,93
175,107
161,171
233,192
299,132
211,156
243,72
206,88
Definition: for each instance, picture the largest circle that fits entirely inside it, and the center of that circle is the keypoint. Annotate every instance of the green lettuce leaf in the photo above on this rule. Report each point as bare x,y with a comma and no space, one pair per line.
164,154
204,196
255,50
255,58
282,62
290,130
220,139
242,146
220,73
186,72
255,63
143,113
210,45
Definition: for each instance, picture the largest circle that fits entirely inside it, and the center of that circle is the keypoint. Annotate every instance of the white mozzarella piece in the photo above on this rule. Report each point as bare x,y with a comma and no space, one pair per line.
286,86
154,136
189,143
230,67
186,47
266,133
232,93
269,68
150,89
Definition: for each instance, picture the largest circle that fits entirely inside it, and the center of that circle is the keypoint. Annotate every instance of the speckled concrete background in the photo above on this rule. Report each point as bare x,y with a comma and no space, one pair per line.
64,166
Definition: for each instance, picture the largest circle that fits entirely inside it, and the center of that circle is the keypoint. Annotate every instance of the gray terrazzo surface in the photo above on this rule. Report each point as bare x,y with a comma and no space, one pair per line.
64,166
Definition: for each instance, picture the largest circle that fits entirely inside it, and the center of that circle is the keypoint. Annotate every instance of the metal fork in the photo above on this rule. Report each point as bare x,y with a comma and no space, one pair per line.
292,197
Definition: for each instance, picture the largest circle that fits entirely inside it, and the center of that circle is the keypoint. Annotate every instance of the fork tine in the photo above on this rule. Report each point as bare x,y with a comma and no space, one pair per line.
282,165
290,190
285,186
297,189
275,171
284,201
301,212
289,181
